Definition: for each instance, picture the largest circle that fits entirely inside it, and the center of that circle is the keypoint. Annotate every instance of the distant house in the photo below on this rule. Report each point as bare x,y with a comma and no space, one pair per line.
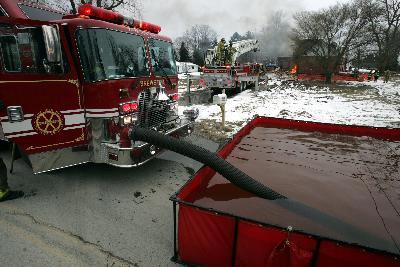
308,62
184,67
285,63
312,65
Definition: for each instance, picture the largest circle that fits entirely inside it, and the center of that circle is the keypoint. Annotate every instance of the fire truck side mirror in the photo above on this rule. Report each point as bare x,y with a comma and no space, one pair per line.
51,39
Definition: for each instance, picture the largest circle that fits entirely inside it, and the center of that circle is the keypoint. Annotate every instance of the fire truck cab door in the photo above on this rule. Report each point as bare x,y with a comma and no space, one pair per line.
40,97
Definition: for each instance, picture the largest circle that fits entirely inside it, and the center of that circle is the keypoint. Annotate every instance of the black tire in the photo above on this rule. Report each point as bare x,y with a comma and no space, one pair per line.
4,145
231,173
239,87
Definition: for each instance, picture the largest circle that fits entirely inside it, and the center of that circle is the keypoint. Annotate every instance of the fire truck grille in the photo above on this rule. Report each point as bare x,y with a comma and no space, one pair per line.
152,113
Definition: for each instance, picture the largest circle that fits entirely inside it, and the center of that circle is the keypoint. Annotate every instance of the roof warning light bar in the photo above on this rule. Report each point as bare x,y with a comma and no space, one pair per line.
88,10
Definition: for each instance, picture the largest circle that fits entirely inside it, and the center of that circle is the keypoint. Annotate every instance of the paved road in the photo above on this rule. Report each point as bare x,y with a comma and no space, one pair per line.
94,215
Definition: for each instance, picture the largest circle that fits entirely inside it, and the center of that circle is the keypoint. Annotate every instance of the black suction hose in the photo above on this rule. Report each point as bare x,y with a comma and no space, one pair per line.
231,173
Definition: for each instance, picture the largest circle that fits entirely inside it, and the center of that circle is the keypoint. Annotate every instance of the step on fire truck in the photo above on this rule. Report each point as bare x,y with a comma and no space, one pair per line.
233,77
73,86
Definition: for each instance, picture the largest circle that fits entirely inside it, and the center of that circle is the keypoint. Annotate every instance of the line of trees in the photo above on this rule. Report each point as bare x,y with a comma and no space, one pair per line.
237,37
274,39
346,31
193,44
383,19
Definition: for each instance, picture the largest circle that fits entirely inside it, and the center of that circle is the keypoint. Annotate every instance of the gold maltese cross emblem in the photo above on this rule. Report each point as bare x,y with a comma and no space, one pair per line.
48,122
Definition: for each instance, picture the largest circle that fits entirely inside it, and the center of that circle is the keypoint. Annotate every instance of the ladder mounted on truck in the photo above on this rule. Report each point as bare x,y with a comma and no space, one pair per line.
241,47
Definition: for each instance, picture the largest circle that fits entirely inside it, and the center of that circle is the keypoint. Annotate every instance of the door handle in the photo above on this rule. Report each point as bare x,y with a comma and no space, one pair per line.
15,114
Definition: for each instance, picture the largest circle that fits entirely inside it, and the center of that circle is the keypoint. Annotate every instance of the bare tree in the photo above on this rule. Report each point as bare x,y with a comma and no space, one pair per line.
384,28
73,7
107,4
274,38
132,7
331,33
198,39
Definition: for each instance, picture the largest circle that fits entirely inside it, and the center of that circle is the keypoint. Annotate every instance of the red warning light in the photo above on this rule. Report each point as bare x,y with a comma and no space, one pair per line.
93,12
100,14
134,106
129,107
85,10
150,27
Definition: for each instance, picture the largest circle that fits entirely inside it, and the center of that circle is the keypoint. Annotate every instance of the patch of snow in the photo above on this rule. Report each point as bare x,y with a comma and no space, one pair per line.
370,104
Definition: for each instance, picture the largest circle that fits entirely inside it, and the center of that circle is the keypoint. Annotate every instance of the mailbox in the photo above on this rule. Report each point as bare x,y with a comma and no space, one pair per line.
220,99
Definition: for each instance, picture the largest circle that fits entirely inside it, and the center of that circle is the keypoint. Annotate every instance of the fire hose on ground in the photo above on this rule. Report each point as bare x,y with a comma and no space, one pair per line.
214,161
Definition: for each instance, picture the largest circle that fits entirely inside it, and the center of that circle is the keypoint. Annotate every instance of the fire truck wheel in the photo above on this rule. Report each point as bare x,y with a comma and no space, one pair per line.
26,159
20,154
239,87
244,86
216,90
4,145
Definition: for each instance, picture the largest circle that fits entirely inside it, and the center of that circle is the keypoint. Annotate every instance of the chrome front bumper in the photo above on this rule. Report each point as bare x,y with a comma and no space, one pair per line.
140,152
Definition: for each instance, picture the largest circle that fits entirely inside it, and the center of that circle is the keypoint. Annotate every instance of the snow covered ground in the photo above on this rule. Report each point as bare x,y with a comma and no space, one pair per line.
354,103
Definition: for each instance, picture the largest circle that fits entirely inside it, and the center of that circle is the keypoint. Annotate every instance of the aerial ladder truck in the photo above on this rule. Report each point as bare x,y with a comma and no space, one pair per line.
227,73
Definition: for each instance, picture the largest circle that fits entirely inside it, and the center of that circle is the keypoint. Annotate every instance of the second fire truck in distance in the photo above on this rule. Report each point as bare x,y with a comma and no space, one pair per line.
230,75
72,86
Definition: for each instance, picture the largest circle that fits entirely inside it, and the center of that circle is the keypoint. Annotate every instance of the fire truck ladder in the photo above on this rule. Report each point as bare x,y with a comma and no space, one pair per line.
241,47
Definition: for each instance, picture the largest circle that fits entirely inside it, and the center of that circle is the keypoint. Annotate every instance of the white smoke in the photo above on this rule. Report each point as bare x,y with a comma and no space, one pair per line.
225,16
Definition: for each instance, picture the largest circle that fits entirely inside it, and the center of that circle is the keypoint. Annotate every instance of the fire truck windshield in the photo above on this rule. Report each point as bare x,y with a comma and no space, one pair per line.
107,54
162,60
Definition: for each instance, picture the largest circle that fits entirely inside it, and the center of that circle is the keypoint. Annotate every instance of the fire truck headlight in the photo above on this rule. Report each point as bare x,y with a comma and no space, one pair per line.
127,120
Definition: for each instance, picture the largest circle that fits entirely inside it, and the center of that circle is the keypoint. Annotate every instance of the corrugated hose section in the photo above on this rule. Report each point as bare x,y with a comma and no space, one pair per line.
214,161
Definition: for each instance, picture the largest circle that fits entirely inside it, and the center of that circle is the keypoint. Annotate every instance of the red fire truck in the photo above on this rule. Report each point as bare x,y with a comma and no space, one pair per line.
233,77
72,86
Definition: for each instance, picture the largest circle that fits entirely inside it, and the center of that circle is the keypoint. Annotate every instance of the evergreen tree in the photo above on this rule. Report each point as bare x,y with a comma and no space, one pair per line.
214,43
249,35
198,57
236,37
184,53
176,54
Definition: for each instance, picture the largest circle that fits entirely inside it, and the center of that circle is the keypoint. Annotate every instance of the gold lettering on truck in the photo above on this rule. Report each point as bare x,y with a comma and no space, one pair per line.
150,83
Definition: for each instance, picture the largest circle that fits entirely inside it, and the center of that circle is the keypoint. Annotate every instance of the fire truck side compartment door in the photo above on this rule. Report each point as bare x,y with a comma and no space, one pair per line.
38,75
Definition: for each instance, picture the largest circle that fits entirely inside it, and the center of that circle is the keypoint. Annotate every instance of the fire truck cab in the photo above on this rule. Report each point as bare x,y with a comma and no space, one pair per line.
72,86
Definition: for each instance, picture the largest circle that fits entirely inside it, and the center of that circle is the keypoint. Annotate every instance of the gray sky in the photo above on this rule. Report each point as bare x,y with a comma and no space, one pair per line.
225,16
